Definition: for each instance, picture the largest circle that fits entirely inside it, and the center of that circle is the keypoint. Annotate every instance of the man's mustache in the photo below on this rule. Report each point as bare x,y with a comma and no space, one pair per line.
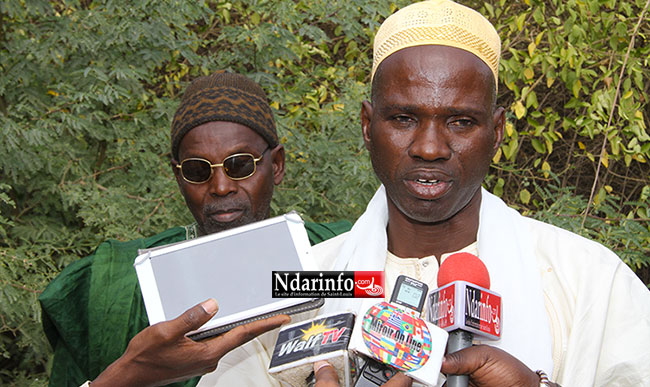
224,206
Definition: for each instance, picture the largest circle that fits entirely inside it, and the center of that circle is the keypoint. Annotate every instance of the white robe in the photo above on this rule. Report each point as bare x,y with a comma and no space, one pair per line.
598,313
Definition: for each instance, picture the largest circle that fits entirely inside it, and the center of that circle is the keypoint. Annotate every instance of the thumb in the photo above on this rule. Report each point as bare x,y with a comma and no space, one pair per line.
466,361
195,317
325,375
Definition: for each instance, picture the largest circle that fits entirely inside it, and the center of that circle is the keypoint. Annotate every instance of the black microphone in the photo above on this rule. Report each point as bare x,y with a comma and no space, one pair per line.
464,306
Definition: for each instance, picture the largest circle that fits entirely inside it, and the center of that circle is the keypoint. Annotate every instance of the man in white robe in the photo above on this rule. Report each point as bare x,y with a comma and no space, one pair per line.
573,312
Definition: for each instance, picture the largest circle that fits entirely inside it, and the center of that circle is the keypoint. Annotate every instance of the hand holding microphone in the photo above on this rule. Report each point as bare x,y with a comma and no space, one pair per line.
387,337
394,338
301,344
326,377
489,366
464,306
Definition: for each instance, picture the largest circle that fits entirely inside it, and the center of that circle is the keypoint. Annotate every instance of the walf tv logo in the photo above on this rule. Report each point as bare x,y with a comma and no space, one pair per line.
328,284
317,335
313,338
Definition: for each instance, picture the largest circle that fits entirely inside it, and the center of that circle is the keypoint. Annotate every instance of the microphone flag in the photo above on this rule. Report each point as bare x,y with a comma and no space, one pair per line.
397,337
300,344
466,306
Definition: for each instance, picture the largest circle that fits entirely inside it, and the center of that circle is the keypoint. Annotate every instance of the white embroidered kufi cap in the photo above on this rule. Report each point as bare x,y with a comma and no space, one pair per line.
438,22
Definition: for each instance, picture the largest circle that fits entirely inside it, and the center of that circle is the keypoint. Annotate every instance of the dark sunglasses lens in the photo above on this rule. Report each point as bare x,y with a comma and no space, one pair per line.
239,167
196,171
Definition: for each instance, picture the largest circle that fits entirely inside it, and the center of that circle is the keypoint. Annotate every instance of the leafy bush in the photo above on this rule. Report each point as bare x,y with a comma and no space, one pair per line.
89,88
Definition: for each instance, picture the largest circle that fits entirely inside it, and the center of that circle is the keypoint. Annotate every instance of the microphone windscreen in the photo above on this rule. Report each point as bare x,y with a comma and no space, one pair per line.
463,267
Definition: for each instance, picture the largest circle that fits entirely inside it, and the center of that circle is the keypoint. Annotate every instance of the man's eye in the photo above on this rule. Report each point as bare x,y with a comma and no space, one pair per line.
402,119
462,123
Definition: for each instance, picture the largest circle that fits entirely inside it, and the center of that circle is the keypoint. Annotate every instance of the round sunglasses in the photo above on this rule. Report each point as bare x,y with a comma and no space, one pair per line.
239,166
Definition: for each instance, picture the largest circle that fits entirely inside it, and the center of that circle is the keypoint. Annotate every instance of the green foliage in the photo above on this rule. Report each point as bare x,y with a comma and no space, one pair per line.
85,116
561,66
89,89
627,236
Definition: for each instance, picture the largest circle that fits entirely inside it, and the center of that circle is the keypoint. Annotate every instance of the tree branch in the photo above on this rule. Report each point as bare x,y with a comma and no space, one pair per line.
611,112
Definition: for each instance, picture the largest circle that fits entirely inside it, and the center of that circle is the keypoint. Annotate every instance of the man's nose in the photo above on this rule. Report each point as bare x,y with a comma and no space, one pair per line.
430,142
220,184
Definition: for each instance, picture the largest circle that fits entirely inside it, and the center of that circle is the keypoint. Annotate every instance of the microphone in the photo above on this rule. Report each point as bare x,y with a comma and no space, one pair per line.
388,337
393,337
464,306
303,343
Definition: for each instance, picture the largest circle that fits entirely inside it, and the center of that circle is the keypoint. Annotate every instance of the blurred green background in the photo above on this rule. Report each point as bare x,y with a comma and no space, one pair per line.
88,90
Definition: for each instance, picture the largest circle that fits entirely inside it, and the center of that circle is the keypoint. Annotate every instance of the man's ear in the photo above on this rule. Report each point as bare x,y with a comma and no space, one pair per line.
499,119
277,158
366,121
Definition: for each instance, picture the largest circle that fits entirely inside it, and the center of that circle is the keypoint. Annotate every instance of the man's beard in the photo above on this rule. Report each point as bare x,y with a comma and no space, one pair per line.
212,226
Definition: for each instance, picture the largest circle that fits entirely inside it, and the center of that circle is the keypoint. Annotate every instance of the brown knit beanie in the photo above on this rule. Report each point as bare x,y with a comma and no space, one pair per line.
223,97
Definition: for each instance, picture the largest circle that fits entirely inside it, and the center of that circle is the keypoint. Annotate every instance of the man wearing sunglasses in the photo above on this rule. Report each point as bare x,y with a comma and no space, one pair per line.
226,158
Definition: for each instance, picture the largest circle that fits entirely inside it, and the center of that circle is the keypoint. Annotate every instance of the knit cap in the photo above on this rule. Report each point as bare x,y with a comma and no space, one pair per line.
223,96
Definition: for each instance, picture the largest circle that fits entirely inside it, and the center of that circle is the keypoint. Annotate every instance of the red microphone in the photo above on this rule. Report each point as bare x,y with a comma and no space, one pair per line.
464,306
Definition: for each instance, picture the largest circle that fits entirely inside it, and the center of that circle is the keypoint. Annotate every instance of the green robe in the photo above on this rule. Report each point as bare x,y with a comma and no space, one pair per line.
94,307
